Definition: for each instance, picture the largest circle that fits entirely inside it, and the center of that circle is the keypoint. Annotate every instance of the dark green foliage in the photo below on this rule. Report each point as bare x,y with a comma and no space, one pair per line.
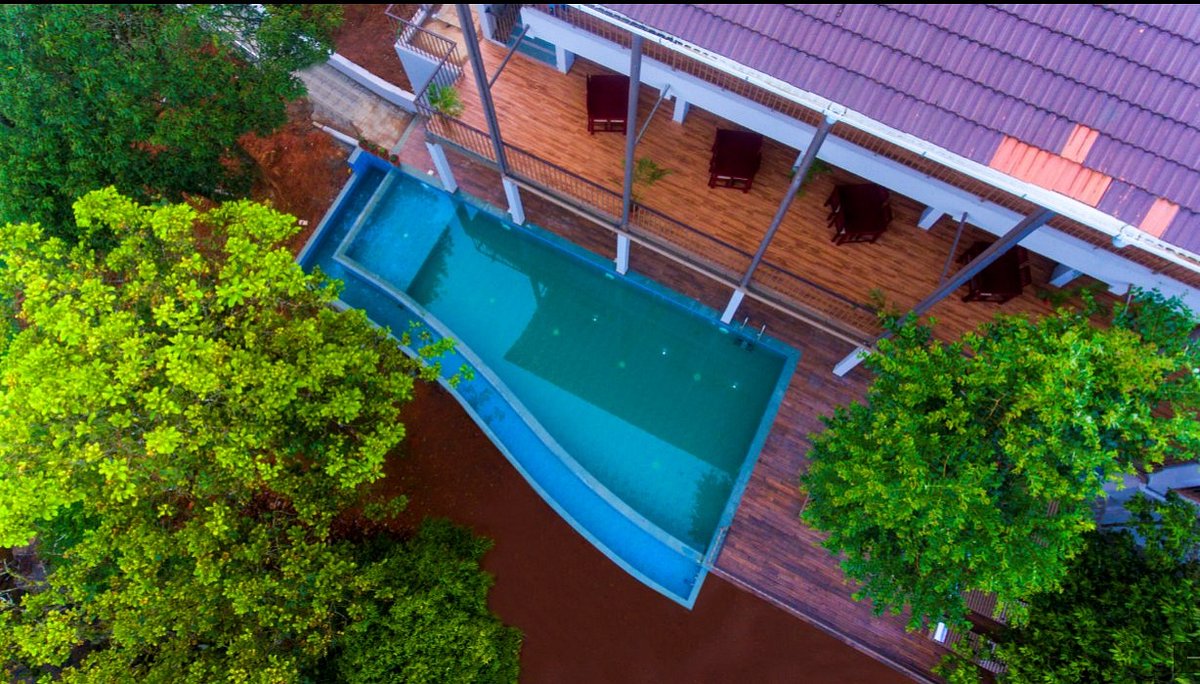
149,98
1124,614
428,619
945,480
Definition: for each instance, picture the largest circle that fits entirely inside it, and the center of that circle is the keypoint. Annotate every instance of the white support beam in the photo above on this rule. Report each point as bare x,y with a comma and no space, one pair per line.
1063,275
1181,476
731,309
851,361
515,209
442,165
681,109
622,260
929,216
563,59
735,300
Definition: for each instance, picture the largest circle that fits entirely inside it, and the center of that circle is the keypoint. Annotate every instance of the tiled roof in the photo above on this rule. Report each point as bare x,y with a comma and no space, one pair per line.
1104,91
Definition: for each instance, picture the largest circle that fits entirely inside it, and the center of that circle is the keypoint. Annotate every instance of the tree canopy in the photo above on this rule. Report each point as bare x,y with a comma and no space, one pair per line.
1126,612
149,98
975,464
183,419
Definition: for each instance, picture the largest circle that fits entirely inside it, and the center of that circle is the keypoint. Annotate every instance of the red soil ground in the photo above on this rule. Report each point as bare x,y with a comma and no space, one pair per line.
584,619
301,170
366,37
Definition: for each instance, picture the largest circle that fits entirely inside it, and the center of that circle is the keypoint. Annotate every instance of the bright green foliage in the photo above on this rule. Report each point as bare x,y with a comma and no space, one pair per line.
1124,614
150,98
181,417
431,587
945,480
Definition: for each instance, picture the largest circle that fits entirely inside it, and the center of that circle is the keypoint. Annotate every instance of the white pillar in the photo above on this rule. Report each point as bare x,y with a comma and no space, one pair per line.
515,209
563,59
929,216
731,308
852,359
681,110
487,21
1062,275
622,259
438,154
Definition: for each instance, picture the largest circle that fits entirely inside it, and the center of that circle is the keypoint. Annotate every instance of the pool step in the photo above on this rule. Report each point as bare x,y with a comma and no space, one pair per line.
674,572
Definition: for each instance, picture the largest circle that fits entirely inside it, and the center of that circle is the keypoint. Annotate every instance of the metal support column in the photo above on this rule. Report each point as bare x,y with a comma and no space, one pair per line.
481,84
810,155
1022,230
631,138
471,41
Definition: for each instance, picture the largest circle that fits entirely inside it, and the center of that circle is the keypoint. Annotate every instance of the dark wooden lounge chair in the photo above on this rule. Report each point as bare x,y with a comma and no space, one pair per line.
1003,279
859,213
736,157
607,102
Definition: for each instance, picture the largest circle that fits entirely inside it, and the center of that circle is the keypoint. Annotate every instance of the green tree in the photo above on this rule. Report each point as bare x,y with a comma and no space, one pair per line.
1125,613
431,587
975,464
150,98
183,417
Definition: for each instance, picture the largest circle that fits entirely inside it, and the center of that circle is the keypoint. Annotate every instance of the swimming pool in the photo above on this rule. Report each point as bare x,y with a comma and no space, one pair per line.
640,395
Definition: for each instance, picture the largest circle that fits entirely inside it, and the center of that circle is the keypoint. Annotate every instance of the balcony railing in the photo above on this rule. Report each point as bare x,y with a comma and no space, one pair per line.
436,48
854,322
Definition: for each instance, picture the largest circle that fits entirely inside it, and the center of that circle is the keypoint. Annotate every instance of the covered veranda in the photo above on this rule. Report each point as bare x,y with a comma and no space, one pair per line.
542,116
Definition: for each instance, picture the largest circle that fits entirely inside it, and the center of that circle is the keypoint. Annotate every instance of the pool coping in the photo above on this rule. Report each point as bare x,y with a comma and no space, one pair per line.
360,161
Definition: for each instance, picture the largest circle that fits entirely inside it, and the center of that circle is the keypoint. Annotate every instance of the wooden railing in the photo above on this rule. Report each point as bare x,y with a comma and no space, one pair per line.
855,322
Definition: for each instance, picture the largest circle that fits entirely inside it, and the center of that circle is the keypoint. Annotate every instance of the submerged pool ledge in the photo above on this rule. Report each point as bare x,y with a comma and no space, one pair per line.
641,548
620,533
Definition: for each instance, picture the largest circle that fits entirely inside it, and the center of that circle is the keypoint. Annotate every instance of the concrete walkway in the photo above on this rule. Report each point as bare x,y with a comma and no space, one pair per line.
340,103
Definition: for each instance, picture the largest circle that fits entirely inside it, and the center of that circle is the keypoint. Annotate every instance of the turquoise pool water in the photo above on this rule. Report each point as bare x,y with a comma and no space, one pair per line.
659,405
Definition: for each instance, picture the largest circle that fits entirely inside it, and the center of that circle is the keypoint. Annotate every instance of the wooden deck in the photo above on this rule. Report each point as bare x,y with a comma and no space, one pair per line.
767,551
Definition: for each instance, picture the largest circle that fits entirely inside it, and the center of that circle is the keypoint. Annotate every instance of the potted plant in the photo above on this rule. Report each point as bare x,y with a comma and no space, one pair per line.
445,100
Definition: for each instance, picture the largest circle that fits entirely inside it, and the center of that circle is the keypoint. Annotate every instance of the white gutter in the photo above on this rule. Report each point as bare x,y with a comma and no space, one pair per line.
1122,233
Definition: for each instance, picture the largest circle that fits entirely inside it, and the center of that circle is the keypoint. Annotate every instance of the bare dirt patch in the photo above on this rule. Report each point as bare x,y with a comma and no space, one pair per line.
301,169
366,37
